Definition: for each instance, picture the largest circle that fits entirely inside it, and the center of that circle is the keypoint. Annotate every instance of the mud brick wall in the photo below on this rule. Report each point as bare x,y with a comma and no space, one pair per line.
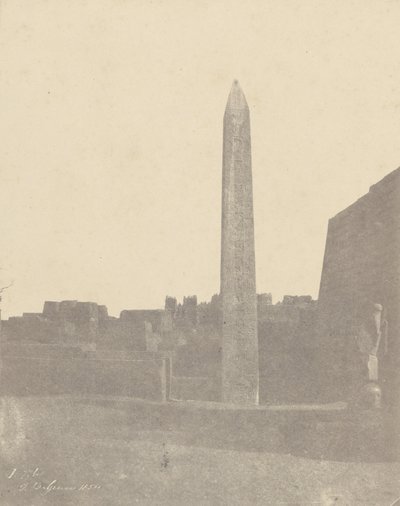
361,267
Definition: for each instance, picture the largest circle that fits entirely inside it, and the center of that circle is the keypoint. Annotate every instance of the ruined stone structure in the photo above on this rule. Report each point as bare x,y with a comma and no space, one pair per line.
361,268
85,324
69,322
238,281
185,317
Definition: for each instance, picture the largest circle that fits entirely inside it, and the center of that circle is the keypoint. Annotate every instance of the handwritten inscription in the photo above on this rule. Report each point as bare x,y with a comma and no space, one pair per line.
35,479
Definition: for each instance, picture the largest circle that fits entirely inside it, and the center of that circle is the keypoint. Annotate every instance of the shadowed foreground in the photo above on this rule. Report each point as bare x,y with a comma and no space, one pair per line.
65,451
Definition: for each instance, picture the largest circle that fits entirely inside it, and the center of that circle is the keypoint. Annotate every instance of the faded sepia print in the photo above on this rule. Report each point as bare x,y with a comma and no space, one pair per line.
200,268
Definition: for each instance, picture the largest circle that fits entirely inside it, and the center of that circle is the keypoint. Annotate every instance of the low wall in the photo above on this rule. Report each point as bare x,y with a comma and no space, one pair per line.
26,349
143,379
105,353
195,388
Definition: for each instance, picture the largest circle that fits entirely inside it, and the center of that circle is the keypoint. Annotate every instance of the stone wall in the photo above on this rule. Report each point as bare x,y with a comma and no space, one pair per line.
286,339
196,388
29,350
122,335
56,372
361,267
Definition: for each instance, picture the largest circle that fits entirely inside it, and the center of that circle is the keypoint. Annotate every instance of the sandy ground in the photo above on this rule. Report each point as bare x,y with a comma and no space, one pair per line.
62,452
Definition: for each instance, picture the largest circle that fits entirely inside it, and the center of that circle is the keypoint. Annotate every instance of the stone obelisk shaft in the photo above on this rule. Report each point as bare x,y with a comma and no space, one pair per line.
238,279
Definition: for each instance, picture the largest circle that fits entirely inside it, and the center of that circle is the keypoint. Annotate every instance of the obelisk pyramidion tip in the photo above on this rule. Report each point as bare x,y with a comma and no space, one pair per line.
236,99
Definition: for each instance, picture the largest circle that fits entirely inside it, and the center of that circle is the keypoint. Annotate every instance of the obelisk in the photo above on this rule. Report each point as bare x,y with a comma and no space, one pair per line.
238,278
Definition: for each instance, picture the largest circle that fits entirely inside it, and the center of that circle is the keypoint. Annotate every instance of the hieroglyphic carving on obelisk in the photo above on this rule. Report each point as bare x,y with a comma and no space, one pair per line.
238,279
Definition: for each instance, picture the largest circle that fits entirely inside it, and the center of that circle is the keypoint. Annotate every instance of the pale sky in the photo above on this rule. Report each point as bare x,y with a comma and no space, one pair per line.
111,139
